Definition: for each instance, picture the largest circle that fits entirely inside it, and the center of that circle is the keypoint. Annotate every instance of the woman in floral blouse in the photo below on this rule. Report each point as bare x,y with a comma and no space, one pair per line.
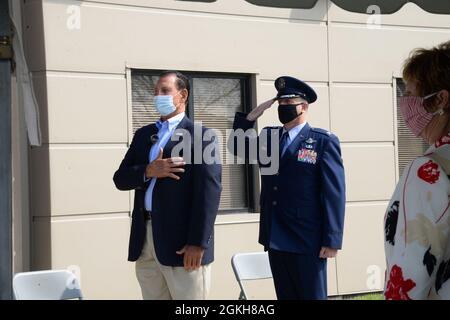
417,221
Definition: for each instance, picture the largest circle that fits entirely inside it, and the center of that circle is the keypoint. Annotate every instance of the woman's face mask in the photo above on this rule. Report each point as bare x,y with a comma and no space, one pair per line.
414,113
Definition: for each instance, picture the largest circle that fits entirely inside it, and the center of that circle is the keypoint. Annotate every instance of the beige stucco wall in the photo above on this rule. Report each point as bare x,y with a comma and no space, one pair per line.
81,82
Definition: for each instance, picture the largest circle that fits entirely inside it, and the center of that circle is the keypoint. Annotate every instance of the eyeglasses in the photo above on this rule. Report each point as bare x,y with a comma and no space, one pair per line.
290,101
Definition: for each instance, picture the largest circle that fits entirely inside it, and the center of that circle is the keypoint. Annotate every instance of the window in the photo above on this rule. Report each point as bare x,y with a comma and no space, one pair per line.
214,99
409,146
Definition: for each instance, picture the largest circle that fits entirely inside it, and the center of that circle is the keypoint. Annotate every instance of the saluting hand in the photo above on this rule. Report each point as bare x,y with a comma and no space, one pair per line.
162,168
192,257
259,110
326,253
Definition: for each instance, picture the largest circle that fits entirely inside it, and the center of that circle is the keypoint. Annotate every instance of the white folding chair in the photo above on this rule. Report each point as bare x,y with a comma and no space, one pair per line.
250,266
46,285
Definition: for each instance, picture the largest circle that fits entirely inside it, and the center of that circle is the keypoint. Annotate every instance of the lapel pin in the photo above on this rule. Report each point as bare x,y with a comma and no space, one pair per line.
154,138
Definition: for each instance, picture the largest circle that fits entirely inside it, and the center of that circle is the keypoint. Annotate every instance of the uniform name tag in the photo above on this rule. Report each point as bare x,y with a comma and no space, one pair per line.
307,156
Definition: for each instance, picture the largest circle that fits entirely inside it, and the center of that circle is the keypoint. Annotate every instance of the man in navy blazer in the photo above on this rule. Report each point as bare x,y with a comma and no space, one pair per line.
175,202
303,201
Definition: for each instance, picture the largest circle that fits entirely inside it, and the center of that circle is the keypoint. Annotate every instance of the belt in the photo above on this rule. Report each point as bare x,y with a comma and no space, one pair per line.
147,215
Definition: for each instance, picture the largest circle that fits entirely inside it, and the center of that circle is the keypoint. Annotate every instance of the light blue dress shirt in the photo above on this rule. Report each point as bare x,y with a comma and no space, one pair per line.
292,134
165,131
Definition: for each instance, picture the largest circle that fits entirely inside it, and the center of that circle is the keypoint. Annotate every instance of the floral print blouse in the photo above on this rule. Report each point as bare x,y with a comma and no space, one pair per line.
417,229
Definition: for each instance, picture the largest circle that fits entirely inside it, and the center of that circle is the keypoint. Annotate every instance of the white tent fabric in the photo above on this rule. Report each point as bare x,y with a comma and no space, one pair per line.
26,95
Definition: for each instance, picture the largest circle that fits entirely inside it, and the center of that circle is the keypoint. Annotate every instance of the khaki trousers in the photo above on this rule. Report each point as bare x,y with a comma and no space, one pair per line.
159,282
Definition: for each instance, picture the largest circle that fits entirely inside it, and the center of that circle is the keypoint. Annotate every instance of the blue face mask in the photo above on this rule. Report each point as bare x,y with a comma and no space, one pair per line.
164,105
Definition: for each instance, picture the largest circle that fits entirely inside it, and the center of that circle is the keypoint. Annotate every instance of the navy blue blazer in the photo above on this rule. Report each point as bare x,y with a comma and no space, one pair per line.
303,204
183,211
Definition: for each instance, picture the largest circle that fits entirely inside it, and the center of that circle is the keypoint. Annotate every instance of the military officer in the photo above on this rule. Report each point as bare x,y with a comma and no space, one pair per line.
303,203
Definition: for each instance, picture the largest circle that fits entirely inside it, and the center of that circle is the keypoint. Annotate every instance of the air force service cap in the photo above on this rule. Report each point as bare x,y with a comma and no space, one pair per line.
289,87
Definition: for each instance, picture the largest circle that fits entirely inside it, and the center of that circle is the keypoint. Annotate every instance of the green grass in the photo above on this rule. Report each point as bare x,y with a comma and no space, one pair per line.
369,296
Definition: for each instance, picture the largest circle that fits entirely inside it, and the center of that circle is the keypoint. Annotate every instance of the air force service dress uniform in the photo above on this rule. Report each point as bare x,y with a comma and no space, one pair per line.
303,204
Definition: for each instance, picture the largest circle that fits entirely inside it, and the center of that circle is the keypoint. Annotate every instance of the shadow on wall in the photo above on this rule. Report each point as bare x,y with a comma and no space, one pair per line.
319,8
40,186
360,6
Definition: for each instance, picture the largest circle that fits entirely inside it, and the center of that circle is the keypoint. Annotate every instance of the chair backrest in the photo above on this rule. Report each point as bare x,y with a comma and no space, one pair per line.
46,285
250,266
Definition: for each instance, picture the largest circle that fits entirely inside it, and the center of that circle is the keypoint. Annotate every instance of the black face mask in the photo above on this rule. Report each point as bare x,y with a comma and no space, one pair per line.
288,112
